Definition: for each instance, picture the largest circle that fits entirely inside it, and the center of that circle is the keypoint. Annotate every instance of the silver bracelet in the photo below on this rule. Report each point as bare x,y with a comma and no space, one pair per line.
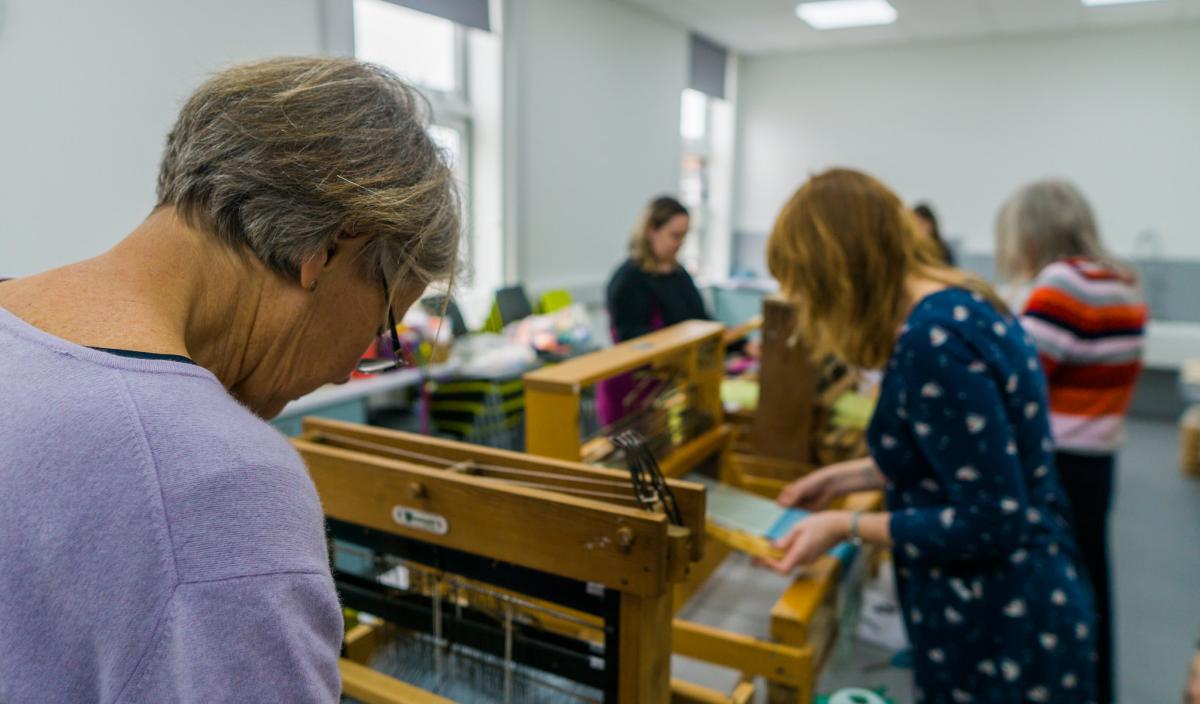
855,539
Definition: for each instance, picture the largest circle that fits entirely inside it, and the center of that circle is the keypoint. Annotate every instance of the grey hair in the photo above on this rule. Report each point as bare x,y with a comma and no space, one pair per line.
279,156
1044,222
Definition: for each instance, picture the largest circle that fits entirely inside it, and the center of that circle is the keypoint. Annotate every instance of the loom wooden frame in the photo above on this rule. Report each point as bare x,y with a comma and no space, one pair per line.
637,553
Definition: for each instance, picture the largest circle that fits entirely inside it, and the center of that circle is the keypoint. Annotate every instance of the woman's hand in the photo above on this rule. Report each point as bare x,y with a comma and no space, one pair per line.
811,492
815,491
809,539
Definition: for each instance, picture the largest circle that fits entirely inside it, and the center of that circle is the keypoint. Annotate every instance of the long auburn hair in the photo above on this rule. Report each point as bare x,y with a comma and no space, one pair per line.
843,248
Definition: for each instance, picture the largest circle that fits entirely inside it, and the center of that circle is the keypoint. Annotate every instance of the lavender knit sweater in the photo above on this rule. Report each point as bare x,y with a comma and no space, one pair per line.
158,542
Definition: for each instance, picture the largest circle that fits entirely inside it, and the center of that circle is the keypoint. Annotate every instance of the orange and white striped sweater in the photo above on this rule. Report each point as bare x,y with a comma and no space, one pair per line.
1088,322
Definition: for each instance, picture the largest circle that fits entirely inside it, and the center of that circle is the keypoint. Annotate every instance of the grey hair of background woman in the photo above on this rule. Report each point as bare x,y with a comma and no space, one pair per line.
1044,222
278,156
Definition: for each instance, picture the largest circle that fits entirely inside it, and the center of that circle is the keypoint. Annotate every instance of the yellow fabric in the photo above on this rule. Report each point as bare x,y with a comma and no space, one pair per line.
554,300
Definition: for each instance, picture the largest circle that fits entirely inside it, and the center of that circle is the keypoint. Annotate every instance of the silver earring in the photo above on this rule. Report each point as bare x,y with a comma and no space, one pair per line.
313,286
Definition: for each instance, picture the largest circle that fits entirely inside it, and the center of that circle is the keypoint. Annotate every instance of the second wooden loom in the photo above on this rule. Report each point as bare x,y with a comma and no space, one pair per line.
804,621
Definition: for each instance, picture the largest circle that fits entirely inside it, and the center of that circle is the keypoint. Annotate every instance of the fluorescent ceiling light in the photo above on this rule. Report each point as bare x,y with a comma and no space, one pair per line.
838,14
1097,3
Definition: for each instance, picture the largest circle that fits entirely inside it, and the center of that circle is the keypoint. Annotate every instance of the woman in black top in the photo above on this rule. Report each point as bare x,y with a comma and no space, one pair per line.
650,290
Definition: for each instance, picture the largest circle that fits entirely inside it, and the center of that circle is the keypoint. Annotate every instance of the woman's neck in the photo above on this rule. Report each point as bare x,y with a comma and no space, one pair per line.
166,288
917,287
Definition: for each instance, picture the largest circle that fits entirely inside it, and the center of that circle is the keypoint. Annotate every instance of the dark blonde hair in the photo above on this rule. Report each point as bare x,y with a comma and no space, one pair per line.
1044,222
277,157
658,213
843,249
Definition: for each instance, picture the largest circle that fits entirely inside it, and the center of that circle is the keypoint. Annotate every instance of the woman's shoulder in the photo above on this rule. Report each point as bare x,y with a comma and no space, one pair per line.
217,461
626,276
954,317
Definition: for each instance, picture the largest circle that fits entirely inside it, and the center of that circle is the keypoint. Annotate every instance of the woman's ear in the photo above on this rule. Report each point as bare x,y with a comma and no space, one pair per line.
312,268
345,247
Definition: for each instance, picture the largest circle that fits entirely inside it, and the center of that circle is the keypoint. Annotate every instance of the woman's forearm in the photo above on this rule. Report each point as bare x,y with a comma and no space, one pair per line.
859,475
875,528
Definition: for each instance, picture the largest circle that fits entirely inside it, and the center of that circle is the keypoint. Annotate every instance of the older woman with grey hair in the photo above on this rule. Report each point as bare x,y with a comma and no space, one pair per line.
160,541
1086,316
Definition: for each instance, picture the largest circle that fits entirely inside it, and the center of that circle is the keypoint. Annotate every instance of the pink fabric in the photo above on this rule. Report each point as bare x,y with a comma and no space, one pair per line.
618,396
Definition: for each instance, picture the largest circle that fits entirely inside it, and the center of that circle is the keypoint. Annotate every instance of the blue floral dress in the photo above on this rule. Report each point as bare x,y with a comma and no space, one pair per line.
996,606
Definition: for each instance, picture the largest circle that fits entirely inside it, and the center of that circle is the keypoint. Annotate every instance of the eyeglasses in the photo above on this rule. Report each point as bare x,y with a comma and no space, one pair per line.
398,360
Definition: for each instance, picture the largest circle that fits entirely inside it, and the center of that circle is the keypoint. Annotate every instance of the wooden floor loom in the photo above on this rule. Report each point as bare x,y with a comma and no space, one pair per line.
495,576
683,420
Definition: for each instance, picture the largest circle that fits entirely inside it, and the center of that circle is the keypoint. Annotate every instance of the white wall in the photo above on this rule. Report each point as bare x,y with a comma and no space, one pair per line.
89,90
965,124
596,87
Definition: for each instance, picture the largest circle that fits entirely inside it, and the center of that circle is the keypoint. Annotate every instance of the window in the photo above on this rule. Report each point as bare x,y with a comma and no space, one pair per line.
458,69
421,48
706,128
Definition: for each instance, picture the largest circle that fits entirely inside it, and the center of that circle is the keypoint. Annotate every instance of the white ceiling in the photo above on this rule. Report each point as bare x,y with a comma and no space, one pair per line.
762,26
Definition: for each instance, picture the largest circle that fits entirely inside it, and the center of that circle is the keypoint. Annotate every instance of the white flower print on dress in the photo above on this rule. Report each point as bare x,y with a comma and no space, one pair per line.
1011,386
977,367
937,336
967,474
961,697
1041,471
1009,505
1058,597
931,390
911,550
1069,680
1049,641
987,667
1010,669
1033,515
1081,631
937,655
887,442
922,429
929,485
947,516
1038,694
1031,409
1019,556
975,423
961,313
999,328
952,616
960,588
1015,608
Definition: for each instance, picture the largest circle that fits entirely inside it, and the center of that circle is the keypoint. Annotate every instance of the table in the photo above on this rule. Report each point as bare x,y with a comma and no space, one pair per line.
349,401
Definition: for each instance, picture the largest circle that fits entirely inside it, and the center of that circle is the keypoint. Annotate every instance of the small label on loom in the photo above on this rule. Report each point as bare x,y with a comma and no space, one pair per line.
595,589
420,520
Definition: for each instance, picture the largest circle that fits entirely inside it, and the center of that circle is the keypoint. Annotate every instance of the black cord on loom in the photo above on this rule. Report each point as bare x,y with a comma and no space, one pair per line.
649,485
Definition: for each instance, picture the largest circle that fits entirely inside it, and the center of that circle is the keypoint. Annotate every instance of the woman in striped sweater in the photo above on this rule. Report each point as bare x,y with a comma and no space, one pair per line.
1086,316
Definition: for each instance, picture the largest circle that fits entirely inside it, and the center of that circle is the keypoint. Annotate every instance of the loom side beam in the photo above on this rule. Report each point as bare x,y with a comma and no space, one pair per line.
590,541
